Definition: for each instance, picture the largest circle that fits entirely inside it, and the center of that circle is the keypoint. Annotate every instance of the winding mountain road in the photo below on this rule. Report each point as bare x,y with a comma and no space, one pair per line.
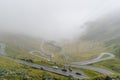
59,71
98,59
100,70
42,49
2,49
45,68
42,53
84,64
50,69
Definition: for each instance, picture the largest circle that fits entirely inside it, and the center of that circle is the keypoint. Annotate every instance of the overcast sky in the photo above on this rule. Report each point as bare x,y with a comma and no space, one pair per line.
52,19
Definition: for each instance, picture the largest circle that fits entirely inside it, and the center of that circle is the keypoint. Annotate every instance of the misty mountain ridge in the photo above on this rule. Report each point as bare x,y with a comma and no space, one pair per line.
105,28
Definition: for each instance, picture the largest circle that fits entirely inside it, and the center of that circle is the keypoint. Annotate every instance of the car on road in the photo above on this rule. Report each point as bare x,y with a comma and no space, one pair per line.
55,67
70,69
64,70
77,73
41,68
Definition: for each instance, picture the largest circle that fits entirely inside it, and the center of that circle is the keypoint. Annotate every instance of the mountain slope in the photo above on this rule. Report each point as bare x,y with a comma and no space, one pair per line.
107,27
106,30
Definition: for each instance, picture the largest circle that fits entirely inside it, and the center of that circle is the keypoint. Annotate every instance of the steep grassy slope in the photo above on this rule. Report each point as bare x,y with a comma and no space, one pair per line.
18,46
106,77
10,70
106,30
102,35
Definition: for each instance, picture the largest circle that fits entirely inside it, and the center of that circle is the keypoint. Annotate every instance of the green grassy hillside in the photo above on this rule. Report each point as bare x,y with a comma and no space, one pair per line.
106,30
10,70
102,35
18,46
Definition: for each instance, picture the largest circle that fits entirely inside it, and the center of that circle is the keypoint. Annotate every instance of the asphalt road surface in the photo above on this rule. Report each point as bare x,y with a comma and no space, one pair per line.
84,64
45,68
100,70
68,73
98,59
50,69
42,54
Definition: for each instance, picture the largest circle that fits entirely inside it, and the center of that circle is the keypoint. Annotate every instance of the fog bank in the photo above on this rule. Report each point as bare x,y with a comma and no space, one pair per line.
52,19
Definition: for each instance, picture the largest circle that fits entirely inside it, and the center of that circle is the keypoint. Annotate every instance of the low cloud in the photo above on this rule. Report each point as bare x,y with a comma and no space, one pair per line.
52,19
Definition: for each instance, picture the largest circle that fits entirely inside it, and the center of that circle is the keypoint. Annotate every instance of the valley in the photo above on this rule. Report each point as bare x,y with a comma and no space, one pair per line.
43,54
